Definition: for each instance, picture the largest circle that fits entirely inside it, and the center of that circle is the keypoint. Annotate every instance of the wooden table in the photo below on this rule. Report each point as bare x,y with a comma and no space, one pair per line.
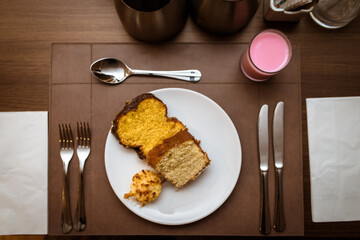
330,61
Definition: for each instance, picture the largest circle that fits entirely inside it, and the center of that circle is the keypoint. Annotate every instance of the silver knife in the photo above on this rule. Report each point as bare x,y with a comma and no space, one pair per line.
263,147
278,144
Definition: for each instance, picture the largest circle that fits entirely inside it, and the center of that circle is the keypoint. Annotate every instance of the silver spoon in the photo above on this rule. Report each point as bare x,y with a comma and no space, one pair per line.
113,71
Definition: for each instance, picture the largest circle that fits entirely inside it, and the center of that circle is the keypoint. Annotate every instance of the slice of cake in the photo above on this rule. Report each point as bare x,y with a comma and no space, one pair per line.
179,158
143,124
164,142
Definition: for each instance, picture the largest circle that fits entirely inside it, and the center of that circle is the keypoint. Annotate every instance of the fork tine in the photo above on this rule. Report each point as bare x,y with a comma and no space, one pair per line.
61,137
71,139
88,134
67,136
85,134
83,138
64,135
78,134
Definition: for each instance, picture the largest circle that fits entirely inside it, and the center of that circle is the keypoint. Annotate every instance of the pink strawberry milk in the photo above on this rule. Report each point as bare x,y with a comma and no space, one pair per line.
268,53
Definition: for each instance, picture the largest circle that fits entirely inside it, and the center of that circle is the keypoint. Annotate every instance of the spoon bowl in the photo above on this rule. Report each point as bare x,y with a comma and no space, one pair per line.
114,71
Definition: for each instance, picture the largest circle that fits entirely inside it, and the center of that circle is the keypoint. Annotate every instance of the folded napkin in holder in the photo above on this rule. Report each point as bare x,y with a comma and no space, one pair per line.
23,172
274,13
334,152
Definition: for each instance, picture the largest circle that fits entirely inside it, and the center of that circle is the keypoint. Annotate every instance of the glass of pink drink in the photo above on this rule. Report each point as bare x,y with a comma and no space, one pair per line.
268,53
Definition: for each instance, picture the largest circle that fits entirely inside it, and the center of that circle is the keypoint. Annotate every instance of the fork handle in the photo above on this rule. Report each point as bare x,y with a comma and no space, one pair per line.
80,209
66,222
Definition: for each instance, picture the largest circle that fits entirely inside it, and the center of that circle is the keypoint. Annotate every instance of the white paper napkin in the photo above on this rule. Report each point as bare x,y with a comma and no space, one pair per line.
334,151
23,172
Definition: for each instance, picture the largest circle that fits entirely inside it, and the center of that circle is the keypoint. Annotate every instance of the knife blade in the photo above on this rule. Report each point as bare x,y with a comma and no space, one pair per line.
263,148
278,145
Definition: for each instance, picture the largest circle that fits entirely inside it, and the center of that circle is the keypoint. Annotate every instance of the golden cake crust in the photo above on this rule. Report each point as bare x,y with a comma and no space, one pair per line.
132,106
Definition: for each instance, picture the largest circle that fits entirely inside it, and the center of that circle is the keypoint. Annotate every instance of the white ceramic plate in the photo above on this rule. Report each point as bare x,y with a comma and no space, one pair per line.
207,122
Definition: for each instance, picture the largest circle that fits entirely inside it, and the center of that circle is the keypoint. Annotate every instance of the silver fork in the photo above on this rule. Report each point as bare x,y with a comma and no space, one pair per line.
83,151
66,153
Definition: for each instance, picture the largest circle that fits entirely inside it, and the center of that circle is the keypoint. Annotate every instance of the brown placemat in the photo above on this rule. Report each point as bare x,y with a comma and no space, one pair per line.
76,96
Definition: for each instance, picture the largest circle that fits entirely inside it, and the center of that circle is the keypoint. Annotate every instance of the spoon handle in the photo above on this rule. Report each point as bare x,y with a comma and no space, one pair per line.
185,75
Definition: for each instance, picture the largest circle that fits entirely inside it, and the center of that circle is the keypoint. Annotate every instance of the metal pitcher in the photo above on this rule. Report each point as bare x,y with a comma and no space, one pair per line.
223,16
152,21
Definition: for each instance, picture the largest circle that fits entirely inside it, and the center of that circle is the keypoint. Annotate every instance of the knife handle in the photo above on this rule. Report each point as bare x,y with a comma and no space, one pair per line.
279,219
265,225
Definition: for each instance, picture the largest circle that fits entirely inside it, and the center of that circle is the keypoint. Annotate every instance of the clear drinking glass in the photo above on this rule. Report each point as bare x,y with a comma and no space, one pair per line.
268,53
335,14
